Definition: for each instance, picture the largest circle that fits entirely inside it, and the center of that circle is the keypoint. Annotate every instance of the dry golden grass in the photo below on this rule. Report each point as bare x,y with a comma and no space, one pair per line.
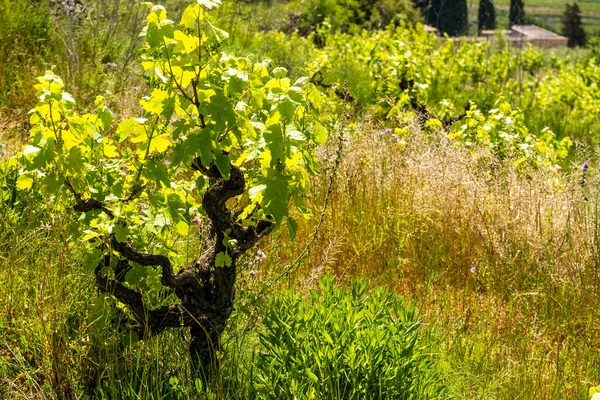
512,257
504,262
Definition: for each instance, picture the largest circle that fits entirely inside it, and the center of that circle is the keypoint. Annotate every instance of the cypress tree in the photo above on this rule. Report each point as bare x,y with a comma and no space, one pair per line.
422,6
487,15
516,14
449,16
572,26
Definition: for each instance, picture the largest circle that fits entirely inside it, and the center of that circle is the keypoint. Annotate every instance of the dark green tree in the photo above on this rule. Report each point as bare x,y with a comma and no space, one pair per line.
572,27
487,15
516,14
422,6
449,16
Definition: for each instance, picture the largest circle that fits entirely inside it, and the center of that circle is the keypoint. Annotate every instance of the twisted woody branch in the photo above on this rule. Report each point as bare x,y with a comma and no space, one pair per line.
206,292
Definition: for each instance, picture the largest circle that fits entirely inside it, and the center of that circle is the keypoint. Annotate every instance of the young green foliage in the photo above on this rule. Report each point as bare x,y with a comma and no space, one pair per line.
503,133
205,104
345,344
214,127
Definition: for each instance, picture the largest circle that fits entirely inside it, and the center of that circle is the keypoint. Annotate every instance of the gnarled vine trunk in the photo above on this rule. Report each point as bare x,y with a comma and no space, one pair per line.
206,292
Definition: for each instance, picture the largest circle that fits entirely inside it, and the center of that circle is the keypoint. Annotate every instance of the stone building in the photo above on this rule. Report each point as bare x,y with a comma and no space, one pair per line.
520,35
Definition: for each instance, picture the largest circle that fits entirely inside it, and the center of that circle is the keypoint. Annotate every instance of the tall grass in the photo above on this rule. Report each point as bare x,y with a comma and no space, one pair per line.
58,339
504,261
513,256
25,38
91,45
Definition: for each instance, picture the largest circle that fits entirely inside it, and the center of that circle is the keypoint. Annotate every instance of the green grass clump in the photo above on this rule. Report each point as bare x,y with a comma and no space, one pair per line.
345,344
25,38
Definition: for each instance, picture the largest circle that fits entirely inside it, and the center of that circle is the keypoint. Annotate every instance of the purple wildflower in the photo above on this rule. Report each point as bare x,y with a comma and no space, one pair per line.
395,138
393,119
253,273
386,131
584,166
167,162
473,270
123,169
197,220
110,64
260,255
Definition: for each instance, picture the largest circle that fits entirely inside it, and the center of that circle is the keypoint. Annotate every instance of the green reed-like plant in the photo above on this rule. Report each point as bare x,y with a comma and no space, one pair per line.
345,344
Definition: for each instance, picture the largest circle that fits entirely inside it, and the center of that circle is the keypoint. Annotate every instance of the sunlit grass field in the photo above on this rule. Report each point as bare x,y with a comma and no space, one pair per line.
492,239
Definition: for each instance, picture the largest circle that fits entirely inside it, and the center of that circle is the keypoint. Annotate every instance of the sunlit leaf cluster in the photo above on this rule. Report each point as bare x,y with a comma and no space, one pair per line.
206,108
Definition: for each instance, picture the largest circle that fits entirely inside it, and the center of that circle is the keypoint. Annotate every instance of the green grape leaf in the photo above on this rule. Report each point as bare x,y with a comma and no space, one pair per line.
120,233
51,183
220,34
191,14
76,162
158,173
275,142
136,275
279,72
223,260
106,116
206,146
294,134
159,103
110,151
320,133
314,96
223,163
29,150
275,198
129,127
286,108
176,205
160,144
292,225
24,182
92,258
182,228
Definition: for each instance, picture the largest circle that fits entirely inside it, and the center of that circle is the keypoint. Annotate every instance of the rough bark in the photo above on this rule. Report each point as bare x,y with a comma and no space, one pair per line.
206,292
